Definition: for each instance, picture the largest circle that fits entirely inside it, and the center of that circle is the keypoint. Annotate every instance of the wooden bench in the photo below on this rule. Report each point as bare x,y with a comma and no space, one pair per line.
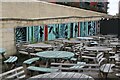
11,59
106,68
79,66
11,62
31,60
42,69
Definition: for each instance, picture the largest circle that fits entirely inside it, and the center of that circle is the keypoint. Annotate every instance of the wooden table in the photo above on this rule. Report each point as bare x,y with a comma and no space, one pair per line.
115,43
85,38
62,76
71,41
102,49
59,39
106,69
2,51
98,48
41,45
54,55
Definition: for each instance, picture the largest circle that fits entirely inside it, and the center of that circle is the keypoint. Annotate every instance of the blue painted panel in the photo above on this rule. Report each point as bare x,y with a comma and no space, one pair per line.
56,31
36,33
84,29
91,28
68,30
41,33
62,30
75,30
51,29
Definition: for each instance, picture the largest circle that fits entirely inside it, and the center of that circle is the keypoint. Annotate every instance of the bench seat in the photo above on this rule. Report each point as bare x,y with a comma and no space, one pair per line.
78,65
11,59
31,60
107,68
42,69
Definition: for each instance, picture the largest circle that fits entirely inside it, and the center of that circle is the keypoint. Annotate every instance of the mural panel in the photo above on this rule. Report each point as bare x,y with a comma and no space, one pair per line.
36,34
83,29
20,34
91,28
75,30
51,29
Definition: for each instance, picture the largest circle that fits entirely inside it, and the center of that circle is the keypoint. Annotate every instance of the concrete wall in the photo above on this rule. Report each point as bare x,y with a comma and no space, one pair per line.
7,38
7,35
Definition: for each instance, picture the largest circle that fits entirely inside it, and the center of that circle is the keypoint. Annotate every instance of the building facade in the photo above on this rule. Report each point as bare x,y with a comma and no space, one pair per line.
36,21
94,6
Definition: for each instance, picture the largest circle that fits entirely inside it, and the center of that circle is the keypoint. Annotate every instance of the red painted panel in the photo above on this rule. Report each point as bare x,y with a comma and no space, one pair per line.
78,29
93,3
46,33
52,1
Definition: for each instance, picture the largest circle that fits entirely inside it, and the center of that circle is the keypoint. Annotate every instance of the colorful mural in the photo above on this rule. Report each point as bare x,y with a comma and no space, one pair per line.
40,33
20,34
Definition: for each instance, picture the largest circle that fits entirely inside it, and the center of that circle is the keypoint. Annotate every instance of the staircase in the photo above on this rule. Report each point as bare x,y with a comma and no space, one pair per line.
14,74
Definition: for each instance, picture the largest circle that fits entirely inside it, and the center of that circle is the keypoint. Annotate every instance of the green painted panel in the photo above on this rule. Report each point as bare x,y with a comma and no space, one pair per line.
68,30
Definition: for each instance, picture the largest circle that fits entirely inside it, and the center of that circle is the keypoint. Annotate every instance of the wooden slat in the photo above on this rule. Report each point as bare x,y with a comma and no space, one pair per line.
14,59
41,69
8,72
21,77
60,75
69,69
107,68
69,64
44,76
53,75
31,60
17,74
84,77
11,59
77,75
69,75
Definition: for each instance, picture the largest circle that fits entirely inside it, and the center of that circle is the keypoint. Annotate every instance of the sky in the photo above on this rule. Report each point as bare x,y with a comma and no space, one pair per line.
113,7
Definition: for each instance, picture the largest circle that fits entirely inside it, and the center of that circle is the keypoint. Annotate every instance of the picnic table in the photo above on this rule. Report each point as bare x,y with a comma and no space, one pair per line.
41,45
71,41
98,48
106,69
54,55
115,43
2,51
62,75
85,38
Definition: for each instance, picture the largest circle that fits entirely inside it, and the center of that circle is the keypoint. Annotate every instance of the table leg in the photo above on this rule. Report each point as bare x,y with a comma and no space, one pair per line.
48,63
3,56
